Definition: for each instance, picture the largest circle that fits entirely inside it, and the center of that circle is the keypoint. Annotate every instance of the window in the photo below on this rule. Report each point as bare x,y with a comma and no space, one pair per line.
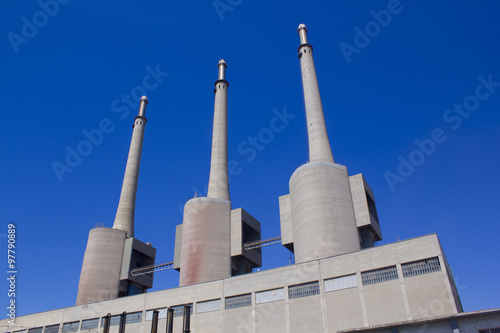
238,301
207,306
270,295
379,275
90,324
179,310
135,317
70,327
114,321
162,314
53,328
342,282
35,330
421,267
303,290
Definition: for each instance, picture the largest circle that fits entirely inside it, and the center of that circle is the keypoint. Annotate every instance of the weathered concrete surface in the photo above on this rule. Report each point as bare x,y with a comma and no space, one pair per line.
102,263
206,241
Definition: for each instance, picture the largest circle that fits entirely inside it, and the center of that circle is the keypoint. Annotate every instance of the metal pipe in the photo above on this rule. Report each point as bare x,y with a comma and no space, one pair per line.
170,320
154,322
222,69
187,318
107,320
123,316
142,108
302,30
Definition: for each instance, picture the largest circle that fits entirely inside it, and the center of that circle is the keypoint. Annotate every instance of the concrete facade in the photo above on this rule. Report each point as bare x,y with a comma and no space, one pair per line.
327,295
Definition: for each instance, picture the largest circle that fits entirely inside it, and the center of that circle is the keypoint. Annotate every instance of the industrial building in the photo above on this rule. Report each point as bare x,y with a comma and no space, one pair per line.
340,281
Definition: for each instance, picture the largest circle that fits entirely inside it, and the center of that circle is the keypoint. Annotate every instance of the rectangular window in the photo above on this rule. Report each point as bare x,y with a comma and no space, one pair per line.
303,290
71,326
342,282
207,306
490,330
35,330
89,324
115,321
52,328
379,275
421,267
238,301
21,331
179,310
162,314
135,317
270,295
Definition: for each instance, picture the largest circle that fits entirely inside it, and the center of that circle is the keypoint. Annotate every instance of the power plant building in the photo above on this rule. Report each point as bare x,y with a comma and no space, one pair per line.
340,281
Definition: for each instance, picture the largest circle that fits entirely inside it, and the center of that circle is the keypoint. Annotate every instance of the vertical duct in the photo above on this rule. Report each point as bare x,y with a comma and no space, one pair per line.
124,219
154,322
123,321
170,320
187,318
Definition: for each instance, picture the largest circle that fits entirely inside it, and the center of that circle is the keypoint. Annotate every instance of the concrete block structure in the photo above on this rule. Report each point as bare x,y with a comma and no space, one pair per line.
341,281
394,284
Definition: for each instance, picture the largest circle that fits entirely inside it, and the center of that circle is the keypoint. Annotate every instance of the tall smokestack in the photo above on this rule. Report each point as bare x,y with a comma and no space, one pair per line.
320,200
124,219
218,183
319,146
205,253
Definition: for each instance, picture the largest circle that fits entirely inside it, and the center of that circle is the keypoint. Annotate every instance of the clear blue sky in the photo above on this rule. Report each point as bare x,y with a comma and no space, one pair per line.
65,73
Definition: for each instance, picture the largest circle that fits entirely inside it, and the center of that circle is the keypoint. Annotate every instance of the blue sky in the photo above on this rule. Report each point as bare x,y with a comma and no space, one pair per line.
387,91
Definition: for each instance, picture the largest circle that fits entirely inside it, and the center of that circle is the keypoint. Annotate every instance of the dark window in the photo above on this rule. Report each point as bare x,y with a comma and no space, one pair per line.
421,267
379,275
303,290
90,324
53,328
238,301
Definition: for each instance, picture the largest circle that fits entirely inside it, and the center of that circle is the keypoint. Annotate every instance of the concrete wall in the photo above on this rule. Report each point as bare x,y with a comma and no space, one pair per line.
322,212
205,246
102,262
353,305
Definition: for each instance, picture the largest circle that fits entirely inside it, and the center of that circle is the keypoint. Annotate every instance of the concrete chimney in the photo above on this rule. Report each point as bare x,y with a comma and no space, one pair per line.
218,183
205,249
321,208
319,145
124,219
